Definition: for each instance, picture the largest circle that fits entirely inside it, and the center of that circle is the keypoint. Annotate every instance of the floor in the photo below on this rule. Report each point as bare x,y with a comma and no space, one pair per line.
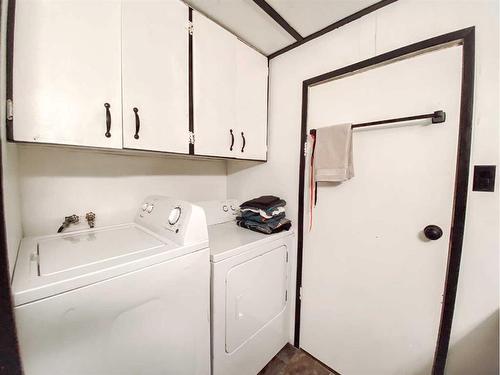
293,361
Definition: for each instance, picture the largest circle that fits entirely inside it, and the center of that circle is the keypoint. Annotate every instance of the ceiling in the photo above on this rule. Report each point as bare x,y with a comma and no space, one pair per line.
252,24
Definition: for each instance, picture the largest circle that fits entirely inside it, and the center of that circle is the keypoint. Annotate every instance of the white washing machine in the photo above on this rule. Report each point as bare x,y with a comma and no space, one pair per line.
118,300
251,299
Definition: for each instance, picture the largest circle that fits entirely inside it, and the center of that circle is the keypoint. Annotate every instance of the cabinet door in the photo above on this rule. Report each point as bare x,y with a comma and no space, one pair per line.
155,75
230,94
214,88
251,103
67,65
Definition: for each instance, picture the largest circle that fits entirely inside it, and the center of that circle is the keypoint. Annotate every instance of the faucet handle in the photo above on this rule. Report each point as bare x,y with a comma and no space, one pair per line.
72,219
90,217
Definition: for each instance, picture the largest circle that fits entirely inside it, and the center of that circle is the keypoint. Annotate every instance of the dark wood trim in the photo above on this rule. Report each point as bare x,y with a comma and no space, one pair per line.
190,79
333,26
466,38
300,225
450,38
11,12
278,19
268,99
459,202
10,358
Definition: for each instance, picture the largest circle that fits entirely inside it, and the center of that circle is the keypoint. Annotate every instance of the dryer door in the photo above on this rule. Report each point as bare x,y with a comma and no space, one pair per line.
255,295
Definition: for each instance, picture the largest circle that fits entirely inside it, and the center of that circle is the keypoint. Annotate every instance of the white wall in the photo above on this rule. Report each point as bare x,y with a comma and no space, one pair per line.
10,165
474,349
57,182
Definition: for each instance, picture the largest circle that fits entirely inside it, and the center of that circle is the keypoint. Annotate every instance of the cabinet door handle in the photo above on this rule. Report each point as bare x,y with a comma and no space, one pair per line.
232,139
137,123
108,120
244,142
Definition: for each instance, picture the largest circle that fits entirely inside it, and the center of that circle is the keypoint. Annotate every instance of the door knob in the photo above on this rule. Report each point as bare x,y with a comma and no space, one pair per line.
433,232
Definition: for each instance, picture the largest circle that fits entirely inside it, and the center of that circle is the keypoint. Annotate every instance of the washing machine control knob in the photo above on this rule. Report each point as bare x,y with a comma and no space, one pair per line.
174,216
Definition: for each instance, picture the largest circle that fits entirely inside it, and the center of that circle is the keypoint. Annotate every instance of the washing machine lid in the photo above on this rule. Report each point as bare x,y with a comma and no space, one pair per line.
77,251
54,264
228,240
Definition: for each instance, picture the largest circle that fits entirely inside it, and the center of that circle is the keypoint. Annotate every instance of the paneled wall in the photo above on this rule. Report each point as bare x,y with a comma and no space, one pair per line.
474,342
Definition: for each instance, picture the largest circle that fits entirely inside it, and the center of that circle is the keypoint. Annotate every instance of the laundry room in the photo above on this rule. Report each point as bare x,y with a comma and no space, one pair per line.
249,187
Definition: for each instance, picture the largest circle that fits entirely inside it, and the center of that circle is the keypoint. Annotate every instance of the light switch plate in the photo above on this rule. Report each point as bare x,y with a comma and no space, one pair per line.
484,178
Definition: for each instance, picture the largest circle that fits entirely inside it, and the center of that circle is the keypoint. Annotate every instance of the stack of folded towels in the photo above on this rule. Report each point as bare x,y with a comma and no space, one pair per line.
265,214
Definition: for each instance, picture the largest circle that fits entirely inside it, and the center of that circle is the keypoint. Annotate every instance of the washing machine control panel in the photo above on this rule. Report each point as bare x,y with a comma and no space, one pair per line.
172,218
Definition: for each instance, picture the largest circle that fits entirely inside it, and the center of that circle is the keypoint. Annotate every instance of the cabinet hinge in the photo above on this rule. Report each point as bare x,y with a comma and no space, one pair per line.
305,148
10,110
190,28
287,257
286,295
191,138
300,293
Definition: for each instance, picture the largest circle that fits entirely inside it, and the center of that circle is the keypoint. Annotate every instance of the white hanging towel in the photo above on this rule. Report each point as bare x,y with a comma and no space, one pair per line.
333,154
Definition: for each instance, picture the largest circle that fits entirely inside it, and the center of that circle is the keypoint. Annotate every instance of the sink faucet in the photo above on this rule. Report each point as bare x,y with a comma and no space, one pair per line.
72,219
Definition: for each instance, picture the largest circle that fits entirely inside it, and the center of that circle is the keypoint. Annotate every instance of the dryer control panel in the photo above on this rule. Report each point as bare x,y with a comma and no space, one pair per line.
220,211
179,221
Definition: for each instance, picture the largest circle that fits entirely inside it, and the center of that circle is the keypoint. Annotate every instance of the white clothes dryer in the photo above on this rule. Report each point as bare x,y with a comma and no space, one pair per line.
251,299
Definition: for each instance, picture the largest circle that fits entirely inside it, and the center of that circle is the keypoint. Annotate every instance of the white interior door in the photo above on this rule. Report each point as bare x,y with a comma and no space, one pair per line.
372,284
67,65
214,88
251,103
155,75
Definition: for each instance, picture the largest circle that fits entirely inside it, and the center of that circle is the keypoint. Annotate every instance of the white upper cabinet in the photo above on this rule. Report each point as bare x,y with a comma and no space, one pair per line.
230,94
214,88
67,66
116,74
251,103
155,75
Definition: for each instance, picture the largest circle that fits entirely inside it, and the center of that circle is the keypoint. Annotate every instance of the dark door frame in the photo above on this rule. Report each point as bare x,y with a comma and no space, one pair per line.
344,21
466,38
10,359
